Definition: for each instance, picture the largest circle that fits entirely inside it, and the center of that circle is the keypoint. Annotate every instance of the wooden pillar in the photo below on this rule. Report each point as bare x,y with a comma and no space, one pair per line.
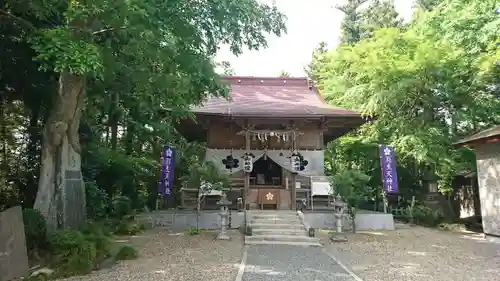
294,178
247,174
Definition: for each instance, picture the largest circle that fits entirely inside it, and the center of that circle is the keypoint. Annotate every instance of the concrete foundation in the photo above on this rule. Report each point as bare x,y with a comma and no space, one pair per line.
365,220
181,220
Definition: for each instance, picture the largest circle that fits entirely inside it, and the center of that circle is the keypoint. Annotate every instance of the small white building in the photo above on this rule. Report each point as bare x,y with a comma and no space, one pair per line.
487,147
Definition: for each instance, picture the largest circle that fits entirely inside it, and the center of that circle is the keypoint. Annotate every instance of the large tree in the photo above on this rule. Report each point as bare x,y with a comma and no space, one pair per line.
314,66
351,24
427,86
379,14
160,49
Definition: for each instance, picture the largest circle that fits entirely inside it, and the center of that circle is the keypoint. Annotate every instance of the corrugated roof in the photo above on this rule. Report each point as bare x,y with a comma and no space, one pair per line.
489,133
271,97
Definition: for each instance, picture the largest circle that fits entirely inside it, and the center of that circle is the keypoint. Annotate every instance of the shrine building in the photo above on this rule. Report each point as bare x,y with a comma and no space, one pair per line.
278,129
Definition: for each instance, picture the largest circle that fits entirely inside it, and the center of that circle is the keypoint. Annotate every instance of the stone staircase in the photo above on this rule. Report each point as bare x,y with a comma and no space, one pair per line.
278,227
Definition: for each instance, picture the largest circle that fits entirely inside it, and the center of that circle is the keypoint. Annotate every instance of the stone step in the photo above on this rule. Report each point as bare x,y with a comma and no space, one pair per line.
304,244
258,225
278,231
281,238
273,212
273,221
274,216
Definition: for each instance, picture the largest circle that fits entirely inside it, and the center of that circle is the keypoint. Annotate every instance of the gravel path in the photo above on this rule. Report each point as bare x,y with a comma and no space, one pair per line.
291,263
416,254
168,257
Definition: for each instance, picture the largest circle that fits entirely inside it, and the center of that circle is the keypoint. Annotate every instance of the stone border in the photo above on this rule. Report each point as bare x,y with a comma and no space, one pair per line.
303,220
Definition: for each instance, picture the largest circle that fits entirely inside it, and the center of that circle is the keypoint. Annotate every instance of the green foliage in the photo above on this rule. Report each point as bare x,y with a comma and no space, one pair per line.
122,205
96,200
128,226
419,214
101,237
352,185
126,252
145,63
35,230
426,216
206,172
428,85
361,20
71,254
58,50
192,231
79,252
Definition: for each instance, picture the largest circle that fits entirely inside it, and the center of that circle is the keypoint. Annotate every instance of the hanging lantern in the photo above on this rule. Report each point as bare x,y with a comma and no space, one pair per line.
297,161
248,162
230,162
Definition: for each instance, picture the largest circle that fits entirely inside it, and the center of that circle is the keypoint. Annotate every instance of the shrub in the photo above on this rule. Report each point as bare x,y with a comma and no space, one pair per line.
192,231
126,252
100,236
122,205
128,226
71,253
35,230
96,200
426,216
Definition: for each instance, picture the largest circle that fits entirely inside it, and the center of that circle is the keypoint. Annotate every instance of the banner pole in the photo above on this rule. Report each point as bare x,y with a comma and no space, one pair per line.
384,196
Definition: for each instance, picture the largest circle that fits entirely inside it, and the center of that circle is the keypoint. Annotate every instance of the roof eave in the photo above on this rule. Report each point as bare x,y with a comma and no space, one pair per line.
479,141
275,115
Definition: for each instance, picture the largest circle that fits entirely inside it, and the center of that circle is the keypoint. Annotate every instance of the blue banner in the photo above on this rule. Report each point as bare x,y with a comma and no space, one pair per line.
388,165
167,171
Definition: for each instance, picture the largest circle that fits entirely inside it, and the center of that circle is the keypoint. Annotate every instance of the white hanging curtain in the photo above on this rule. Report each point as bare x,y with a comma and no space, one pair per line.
217,155
315,159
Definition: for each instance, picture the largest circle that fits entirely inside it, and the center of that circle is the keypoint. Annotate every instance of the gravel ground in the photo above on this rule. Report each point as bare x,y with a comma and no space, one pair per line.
416,254
168,256
291,263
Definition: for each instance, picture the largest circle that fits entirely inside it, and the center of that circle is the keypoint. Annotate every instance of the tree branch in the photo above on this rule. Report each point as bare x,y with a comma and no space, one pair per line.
106,30
16,18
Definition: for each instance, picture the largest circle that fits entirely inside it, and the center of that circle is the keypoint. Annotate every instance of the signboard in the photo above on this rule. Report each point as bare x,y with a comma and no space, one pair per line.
13,254
388,165
167,171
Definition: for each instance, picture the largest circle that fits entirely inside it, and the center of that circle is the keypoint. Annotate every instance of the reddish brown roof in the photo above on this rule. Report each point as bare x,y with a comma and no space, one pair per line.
276,97
483,135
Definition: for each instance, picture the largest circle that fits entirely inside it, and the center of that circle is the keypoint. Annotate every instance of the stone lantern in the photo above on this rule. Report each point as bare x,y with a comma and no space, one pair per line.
338,211
224,204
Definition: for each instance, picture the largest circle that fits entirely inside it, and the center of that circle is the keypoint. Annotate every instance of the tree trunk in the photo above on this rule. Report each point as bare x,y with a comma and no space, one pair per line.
113,120
61,192
33,155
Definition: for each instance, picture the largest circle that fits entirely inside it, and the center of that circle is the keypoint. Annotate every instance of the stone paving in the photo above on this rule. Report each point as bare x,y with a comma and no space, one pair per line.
291,263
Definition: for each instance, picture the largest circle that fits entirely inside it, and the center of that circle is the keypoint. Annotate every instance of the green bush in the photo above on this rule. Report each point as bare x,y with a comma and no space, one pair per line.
426,216
71,253
96,200
128,226
122,206
126,252
192,231
101,237
35,230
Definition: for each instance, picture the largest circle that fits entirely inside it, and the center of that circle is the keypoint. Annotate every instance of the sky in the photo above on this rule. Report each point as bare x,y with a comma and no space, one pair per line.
307,24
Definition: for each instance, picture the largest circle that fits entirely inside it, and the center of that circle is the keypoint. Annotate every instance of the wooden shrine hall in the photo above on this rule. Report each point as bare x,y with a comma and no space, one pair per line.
277,128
